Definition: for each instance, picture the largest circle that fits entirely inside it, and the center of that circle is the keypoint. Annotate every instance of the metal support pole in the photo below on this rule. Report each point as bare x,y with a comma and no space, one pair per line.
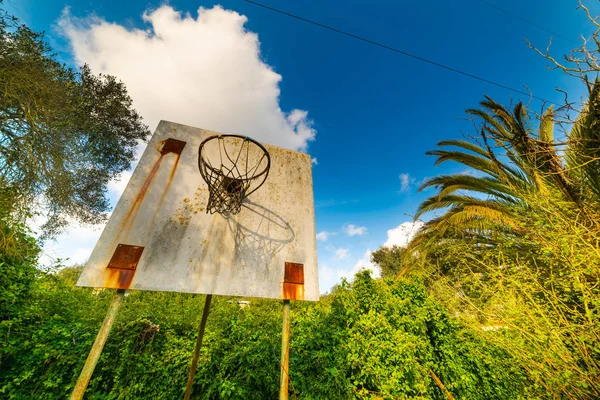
190,382
285,351
92,360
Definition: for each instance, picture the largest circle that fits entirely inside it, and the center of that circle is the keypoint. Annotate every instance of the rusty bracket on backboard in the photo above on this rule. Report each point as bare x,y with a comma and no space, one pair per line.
294,273
293,281
172,146
126,256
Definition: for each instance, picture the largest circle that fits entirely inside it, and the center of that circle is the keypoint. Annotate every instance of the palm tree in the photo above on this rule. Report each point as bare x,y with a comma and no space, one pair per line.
518,243
513,162
582,159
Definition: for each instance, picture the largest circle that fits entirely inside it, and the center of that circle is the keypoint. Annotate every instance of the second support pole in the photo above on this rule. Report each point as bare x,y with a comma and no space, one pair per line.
190,382
285,351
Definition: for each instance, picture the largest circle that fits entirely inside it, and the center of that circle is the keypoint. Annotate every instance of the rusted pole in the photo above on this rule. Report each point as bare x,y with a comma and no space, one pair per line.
285,351
190,382
92,360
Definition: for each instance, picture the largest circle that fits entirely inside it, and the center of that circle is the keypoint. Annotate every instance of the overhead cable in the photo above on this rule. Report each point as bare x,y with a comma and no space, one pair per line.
395,50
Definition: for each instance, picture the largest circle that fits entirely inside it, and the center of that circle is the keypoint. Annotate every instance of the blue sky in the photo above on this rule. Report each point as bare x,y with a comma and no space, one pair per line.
375,112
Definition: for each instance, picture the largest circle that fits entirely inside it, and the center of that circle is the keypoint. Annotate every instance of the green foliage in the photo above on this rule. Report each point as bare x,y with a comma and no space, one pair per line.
538,295
516,253
369,339
391,260
508,306
18,259
63,133
516,161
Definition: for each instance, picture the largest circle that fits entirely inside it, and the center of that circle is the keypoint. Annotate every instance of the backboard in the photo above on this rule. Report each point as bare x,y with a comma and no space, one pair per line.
160,237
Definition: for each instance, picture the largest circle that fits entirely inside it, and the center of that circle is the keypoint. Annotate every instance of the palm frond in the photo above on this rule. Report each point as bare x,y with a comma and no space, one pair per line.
496,126
583,149
437,202
465,145
485,185
521,166
470,160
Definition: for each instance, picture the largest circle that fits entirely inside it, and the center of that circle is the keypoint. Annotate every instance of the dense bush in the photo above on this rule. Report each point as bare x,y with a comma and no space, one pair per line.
369,339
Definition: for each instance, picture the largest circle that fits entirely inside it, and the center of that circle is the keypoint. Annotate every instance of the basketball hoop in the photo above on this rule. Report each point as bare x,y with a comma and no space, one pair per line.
242,166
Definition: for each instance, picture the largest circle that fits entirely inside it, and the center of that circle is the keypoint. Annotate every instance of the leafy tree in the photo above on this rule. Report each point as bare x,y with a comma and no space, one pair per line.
390,260
537,297
64,133
17,268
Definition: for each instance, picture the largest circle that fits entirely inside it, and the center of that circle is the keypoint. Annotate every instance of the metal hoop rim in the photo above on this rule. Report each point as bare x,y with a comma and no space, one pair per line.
245,138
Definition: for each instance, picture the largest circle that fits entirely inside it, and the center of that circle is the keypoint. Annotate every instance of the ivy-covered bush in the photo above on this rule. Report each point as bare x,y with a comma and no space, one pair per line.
368,339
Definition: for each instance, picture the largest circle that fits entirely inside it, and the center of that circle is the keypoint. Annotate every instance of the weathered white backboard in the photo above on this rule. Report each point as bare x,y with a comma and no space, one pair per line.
159,237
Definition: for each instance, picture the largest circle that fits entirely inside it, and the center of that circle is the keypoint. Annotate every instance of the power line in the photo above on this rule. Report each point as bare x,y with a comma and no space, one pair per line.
404,53
527,21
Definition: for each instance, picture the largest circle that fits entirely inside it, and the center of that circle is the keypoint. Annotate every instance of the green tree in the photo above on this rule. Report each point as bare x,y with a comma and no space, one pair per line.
17,267
64,133
391,260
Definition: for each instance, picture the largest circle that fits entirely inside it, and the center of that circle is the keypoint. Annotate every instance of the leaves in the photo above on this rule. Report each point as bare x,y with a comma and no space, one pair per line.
63,133
515,251
371,338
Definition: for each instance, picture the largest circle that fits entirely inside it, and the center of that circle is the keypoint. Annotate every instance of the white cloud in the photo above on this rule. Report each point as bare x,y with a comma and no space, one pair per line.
327,277
73,247
353,230
402,234
205,71
399,236
341,253
364,263
314,161
323,236
405,182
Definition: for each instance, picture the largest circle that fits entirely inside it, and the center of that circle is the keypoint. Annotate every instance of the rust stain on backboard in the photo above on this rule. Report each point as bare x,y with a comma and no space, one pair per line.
122,265
293,291
119,278
166,146
293,281
166,189
138,199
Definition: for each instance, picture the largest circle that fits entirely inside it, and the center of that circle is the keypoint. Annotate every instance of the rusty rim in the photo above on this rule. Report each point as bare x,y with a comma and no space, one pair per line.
235,175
